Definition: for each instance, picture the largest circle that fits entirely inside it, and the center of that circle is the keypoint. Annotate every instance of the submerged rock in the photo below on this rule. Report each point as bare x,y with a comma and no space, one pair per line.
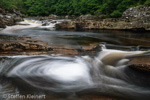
140,63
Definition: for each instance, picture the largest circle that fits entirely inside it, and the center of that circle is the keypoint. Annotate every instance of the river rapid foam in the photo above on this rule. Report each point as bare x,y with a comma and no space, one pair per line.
32,23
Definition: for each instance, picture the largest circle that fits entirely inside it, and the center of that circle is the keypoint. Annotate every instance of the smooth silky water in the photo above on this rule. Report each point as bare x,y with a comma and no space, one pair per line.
103,74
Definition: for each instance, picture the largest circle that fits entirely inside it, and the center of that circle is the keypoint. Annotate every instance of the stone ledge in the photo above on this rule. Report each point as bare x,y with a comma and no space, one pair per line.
22,44
140,63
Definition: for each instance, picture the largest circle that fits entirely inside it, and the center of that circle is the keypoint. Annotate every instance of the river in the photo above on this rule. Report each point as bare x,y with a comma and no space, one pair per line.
42,77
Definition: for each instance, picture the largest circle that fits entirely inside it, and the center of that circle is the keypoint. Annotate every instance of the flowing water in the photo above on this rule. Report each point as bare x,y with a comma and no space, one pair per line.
104,74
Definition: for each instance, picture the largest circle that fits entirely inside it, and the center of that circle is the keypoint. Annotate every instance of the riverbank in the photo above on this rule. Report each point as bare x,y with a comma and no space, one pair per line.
9,18
136,18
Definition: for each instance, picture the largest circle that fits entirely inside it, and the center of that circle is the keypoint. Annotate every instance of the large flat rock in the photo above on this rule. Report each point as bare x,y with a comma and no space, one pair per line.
22,45
140,63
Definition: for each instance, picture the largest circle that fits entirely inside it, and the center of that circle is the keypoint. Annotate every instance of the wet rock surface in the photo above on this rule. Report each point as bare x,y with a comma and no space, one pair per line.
136,18
19,45
90,49
23,45
140,63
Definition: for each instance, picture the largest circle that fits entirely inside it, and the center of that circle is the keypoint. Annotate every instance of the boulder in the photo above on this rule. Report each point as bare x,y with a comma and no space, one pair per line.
17,12
53,22
2,25
2,11
18,19
48,17
45,24
138,12
69,17
9,19
52,16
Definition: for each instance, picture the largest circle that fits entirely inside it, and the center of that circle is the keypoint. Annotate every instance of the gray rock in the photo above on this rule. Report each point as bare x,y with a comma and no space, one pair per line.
9,17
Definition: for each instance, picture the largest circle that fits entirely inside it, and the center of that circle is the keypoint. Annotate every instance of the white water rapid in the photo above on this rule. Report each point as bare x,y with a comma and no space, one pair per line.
79,75
31,23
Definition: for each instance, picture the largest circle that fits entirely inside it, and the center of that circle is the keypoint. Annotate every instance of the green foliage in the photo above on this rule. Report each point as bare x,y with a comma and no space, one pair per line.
115,8
147,2
116,13
61,7
13,4
110,8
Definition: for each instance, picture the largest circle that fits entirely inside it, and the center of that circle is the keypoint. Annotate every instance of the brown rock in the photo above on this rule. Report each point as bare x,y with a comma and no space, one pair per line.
87,17
73,51
64,50
53,21
49,17
2,25
140,63
9,21
22,43
18,19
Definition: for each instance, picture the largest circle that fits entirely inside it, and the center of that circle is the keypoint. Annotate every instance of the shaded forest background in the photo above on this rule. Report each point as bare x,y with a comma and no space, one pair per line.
109,8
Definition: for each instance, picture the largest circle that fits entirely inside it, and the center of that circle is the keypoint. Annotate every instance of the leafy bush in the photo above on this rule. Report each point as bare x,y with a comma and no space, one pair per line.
110,8
116,13
147,2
